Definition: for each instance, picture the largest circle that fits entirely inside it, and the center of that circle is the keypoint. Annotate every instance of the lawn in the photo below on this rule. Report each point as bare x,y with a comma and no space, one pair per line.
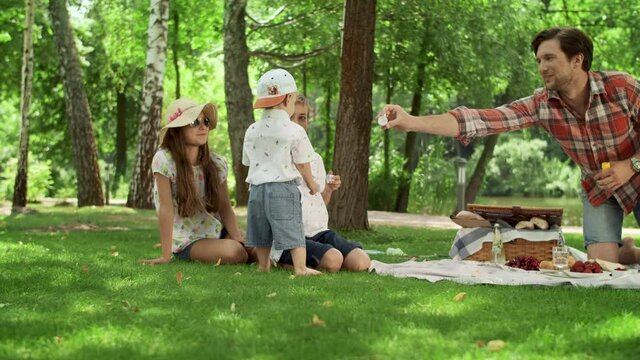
71,287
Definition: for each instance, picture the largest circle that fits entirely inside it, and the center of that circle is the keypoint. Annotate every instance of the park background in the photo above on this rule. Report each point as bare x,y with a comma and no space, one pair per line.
101,73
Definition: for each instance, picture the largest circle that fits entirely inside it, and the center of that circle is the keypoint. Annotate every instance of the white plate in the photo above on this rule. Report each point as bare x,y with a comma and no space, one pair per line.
577,275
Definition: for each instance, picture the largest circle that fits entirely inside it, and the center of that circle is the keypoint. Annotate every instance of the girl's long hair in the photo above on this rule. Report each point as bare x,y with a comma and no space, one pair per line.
187,196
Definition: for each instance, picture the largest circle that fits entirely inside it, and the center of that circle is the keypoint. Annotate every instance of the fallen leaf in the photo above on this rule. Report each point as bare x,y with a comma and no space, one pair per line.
84,269
292,276
480,344
219,262
58,339
271,295
237,273
179,277
327,303
115,253
315,321
113,248
233,307
157,245
459,297
496,345
128,306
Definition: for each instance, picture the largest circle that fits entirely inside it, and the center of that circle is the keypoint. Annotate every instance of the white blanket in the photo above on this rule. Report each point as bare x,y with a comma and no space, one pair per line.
473,272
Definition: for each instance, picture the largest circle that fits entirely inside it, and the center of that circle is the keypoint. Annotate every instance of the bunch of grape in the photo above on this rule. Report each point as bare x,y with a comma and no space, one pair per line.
586,267
524,262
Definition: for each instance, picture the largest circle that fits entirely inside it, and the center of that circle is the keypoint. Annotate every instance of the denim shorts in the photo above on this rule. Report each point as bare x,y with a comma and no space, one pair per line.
601,224
319,244
274,216
185,254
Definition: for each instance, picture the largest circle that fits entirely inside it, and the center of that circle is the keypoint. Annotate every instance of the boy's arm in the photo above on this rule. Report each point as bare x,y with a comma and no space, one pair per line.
305,171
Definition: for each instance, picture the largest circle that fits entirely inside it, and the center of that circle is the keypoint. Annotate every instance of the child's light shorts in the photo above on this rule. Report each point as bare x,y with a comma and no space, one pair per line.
274,215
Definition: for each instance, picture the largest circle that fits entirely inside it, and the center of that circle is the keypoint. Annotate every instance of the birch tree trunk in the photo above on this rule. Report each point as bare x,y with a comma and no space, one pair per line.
238,97
141,188
83,141
348,210
20,184
121,136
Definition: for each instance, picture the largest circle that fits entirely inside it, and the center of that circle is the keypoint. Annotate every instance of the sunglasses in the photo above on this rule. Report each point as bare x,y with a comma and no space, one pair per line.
196,123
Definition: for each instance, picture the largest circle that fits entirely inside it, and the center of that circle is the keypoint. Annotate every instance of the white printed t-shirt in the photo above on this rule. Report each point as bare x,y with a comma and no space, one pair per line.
272,147
315,216
202,224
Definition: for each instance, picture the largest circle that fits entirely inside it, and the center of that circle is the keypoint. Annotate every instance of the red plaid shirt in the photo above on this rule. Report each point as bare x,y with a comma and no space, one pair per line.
610,130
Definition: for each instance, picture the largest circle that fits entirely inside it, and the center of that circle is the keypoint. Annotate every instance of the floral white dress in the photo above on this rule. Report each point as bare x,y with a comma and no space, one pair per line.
202,224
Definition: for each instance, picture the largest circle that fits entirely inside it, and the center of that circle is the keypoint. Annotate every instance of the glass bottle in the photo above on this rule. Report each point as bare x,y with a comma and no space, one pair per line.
497,249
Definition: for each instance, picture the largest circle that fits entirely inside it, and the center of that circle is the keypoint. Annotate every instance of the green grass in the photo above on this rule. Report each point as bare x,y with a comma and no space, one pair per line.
51,309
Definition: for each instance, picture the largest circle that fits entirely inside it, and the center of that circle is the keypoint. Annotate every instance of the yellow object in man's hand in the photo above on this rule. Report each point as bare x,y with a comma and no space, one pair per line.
606,165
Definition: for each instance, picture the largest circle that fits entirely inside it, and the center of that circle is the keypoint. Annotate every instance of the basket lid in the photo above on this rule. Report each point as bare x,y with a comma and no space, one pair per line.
515,214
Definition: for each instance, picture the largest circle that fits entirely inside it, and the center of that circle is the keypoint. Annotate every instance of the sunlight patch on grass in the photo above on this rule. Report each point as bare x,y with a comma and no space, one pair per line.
622,327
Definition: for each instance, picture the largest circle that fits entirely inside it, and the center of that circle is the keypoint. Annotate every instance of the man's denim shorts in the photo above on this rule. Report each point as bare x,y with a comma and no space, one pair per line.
274,216
601,224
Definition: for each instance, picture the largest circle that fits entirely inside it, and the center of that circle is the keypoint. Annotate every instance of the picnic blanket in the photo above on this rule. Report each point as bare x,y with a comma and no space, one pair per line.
473,272
468,241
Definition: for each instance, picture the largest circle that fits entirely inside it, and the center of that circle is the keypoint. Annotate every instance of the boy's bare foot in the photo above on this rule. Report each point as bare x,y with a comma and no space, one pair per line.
306,272
628,253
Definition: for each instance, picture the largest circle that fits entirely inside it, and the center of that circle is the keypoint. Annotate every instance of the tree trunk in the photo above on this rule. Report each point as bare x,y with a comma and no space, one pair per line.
328,129
141,188
238,95
121,136
77,106
475,183
386,140
20,184
411,149
174,50
348,210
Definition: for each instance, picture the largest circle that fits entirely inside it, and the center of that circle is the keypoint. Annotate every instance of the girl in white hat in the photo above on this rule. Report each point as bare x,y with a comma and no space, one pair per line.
190,190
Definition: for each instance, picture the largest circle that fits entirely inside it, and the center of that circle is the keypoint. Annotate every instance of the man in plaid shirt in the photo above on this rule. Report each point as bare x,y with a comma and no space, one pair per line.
594,115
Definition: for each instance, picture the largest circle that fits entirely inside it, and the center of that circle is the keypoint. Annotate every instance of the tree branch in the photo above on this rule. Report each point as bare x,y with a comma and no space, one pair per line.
270,19
270,55
291,20
293,59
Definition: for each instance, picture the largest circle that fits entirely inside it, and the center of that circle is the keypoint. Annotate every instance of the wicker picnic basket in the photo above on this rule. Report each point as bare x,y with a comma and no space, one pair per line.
541,250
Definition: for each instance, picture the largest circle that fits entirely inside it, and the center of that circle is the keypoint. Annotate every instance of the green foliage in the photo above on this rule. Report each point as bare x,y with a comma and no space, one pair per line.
520,167
39,178
433,186
476,53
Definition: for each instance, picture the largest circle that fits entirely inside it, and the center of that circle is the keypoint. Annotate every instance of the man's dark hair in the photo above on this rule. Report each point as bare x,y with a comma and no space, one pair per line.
572,42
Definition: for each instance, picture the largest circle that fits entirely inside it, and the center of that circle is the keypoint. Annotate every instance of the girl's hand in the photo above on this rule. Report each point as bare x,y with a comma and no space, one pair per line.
158,261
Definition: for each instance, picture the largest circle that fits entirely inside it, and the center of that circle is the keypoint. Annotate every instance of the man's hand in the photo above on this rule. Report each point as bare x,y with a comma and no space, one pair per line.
398,118
617,175
158,261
